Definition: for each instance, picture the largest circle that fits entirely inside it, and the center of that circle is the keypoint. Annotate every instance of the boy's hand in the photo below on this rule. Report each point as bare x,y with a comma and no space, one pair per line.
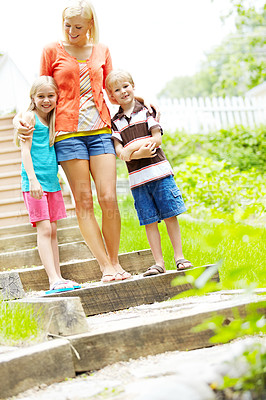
35,189
147,150
125,154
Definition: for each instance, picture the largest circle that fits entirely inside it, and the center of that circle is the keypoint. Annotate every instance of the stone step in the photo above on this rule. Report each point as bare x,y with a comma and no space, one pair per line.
28,240
16,218
30,257
10,165
121,336
82,271
25,229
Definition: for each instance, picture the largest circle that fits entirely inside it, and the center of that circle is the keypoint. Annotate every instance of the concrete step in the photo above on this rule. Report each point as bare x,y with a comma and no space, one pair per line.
10,165
30,257
6,141
21,217
9,152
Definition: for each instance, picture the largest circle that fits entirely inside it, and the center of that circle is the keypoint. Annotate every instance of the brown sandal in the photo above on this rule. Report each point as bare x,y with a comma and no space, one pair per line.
182,261
158,270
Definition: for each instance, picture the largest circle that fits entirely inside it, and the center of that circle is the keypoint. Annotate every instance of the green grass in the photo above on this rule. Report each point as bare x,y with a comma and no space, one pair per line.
18,324
240,248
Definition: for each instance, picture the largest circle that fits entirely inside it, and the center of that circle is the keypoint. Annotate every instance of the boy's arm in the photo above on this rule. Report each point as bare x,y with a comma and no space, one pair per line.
148,149
35,187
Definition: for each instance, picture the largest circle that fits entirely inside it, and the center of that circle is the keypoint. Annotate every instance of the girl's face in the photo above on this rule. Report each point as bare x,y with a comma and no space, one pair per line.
76,29
45,100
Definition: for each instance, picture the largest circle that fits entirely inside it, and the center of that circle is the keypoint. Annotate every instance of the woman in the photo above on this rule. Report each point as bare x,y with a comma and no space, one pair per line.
83,144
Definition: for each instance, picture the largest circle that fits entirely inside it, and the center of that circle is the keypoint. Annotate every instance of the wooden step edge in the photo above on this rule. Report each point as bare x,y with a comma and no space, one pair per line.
26,227
17,214
22,369
10,187
10,174
10,162
82,271
10,150
107,297
173,332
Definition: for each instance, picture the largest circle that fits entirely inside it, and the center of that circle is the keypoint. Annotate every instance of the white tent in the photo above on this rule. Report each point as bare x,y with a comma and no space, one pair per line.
14,88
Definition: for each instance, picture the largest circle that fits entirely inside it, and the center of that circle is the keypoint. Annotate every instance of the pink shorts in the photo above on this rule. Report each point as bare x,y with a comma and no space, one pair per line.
51,206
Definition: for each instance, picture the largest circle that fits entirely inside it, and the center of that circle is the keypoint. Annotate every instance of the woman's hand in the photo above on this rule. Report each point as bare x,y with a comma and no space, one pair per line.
23,129
151,108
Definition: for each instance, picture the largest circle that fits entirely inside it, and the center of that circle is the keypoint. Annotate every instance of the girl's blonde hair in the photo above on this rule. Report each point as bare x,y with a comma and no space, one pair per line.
117,76
85,9
37,85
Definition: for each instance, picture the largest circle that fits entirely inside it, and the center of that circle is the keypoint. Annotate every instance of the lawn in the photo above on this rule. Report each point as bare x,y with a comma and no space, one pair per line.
240,248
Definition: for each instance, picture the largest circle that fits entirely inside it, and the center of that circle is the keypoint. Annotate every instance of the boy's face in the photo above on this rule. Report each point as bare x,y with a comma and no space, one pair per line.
123,93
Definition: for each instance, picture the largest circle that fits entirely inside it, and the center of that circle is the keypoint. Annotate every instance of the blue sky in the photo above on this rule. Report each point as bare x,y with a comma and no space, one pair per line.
155,40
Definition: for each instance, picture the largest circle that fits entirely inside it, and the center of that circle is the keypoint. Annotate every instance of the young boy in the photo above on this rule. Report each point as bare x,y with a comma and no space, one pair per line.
137,140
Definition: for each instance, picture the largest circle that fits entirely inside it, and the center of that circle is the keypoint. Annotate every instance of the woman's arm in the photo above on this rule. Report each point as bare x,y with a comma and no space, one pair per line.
23,129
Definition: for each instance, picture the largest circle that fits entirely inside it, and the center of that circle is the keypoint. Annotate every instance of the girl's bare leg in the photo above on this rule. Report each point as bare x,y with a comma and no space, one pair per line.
103,170
174,233
47,252
154,240
78,175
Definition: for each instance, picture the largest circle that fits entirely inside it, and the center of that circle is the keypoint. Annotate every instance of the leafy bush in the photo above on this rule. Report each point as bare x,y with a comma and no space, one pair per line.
240,147
210,187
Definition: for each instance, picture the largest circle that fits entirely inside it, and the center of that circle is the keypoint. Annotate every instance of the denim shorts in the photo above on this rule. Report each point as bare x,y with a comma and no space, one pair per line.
82,147
158,200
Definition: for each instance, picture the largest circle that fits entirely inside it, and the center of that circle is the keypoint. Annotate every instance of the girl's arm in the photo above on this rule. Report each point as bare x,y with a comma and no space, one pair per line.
35,187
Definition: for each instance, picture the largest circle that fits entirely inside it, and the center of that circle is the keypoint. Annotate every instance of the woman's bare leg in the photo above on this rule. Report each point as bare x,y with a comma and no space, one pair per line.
103,170
78,175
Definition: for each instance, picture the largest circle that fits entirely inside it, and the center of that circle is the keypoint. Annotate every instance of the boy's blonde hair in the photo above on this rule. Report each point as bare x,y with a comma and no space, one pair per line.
85,9
37,85
117,76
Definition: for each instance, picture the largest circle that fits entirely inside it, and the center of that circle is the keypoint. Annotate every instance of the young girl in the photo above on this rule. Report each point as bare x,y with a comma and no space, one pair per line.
40,185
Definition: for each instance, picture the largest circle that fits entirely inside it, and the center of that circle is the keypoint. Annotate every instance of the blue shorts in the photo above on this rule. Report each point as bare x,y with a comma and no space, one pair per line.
82,147
158,200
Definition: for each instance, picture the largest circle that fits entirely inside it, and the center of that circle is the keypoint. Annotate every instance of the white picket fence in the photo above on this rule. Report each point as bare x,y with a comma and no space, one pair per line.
205,115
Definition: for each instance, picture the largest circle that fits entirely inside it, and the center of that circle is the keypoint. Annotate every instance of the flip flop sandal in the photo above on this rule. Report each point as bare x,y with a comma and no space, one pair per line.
111,280
158,270
182,261
76,285
122,275
54,290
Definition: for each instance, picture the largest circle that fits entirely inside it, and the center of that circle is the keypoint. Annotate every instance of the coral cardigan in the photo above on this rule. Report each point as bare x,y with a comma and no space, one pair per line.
56,62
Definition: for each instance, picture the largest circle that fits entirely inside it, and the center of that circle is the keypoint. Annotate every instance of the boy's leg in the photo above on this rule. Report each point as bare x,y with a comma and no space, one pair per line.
174,233
154,240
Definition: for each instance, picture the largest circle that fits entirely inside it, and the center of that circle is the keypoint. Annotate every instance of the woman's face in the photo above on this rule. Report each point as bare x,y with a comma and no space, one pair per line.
76,29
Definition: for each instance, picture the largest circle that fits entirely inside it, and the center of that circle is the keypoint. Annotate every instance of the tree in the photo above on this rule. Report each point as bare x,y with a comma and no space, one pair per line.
236,65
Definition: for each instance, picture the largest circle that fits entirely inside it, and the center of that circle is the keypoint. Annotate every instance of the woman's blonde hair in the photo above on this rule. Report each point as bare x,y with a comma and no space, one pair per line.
85,9
117,76
37,85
